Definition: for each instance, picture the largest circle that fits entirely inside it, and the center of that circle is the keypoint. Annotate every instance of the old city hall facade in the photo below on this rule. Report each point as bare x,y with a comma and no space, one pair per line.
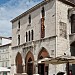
45,30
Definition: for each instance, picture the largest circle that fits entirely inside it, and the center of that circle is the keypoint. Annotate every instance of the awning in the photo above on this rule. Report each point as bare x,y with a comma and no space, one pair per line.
59,60
4,69
44,59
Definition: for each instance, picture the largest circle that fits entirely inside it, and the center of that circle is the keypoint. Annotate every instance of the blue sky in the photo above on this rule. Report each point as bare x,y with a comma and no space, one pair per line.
9,9
3,1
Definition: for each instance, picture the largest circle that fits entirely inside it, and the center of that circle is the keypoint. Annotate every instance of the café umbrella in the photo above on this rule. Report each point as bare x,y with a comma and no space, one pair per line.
61,60
42,60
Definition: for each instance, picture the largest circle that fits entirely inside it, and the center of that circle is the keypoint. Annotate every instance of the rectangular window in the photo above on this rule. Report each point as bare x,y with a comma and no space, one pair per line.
73,23
4,73
26,37
2,64
18,39
32,35
29,35
43,12
19,24
6,64
29,19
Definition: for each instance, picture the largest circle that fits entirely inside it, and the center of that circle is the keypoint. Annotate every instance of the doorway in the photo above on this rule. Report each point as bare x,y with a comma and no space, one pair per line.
30,68
29,63
41,69
18,60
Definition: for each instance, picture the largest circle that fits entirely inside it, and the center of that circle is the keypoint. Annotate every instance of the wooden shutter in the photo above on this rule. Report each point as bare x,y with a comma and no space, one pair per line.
42,28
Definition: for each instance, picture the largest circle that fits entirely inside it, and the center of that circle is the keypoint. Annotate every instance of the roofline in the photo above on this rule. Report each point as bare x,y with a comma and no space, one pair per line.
30,10
5,45
39,5
68,2
6,37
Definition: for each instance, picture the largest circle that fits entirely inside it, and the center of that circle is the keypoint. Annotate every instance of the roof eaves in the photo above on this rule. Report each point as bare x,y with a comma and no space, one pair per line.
5,45
30,10
68,2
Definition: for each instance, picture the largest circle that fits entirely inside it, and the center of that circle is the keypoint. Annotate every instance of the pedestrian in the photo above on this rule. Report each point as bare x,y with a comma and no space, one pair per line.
70,72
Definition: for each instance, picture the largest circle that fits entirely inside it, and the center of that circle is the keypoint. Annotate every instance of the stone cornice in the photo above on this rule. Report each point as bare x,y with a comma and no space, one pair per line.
29,44
68,2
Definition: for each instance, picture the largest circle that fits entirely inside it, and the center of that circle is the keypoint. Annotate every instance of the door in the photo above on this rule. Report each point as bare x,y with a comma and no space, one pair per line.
30,69
41,69
46,70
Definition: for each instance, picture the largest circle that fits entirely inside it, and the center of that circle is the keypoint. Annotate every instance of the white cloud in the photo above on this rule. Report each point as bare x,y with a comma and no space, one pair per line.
10,10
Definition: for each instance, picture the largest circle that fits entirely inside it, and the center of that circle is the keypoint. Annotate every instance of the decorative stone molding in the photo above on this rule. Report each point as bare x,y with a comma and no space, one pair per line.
21,74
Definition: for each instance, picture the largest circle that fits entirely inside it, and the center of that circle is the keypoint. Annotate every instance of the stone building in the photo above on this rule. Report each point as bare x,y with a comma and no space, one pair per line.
45,30
5,51
5,55
5,40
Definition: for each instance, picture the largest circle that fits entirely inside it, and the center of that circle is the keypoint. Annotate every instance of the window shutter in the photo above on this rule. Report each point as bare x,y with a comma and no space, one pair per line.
42,28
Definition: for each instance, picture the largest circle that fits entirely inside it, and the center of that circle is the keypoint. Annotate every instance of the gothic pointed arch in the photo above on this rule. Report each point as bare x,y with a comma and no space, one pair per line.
73,43
29,64
43,53
18,60
42,67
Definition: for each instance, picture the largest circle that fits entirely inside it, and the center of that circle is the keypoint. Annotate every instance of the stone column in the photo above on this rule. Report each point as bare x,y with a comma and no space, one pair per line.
13,69
36,68
13,66
23,66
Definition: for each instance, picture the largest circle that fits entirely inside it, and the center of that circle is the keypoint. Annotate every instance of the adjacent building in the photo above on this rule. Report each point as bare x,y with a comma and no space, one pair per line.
5,54
45,30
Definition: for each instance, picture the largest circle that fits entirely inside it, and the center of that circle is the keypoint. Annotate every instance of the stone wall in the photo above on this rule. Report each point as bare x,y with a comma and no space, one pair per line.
63,45
35,24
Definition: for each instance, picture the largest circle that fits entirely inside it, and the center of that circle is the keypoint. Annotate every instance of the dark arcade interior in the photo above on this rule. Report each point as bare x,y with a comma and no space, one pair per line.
72,50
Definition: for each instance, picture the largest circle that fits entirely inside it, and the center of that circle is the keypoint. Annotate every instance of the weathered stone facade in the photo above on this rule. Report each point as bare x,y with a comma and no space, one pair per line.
55,43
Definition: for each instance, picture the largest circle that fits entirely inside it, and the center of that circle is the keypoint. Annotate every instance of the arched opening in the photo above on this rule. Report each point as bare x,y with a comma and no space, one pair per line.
29,64
19,67
72,50
73,23
42,67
